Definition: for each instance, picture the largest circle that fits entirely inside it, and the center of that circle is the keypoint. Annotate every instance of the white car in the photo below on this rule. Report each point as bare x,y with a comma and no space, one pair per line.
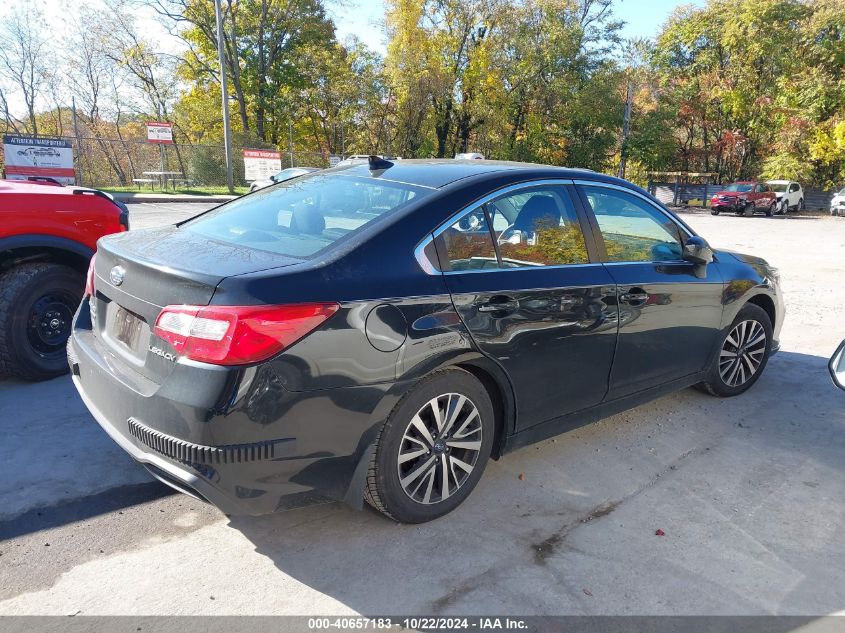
285,174
837,203
790,195
469,156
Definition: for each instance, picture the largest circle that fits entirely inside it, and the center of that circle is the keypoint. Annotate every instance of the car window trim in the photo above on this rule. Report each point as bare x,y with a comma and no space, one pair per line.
599,237
568,185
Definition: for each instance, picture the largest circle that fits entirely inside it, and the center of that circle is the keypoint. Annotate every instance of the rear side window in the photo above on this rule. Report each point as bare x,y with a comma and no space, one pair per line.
304,216
542,229
633,230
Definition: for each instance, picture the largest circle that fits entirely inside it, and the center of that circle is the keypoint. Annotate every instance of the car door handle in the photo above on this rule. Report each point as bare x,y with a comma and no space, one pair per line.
635,296
498,304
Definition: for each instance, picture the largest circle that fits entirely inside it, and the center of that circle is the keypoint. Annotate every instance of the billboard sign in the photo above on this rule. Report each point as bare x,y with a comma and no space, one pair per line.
260,164
27,156
160,132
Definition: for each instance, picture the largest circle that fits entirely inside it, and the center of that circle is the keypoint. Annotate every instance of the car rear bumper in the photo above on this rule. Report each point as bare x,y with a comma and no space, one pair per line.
306,453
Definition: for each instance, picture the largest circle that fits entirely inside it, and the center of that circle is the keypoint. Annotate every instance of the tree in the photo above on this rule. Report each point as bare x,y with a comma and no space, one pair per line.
23,59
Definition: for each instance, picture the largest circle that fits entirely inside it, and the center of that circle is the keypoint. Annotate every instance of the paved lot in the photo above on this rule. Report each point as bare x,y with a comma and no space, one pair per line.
749,493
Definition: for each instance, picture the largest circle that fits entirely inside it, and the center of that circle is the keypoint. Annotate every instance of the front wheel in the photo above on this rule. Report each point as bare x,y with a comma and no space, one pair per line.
743,354
770,210
714,211
433,448
37,303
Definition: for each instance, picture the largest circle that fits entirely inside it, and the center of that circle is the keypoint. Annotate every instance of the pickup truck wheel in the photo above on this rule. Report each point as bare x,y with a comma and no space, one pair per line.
37,304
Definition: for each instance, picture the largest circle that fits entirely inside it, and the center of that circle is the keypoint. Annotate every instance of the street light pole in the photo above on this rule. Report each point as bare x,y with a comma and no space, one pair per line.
224,90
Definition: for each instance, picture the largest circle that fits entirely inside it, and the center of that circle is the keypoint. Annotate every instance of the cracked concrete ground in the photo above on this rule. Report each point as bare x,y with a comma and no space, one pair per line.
747,491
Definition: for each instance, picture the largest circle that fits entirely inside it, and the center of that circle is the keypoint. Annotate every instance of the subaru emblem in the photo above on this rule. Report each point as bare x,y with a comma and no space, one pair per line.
116,275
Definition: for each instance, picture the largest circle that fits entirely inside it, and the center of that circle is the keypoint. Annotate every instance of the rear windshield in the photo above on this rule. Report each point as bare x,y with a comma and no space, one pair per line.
302,217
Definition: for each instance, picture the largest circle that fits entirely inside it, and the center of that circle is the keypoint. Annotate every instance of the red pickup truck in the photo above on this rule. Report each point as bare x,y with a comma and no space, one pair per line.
745,197
48,233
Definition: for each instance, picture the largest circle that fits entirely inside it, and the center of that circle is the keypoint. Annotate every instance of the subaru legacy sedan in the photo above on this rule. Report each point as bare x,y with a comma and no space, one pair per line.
378,331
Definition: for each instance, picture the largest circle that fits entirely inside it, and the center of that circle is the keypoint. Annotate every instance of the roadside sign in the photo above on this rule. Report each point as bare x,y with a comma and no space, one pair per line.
160,132
334,160
29,156
260,164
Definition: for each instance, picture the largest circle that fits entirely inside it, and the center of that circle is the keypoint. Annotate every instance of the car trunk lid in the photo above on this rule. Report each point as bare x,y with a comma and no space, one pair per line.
140,272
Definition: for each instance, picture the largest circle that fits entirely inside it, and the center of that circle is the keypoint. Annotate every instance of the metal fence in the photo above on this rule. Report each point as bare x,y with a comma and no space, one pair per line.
115,162
681,193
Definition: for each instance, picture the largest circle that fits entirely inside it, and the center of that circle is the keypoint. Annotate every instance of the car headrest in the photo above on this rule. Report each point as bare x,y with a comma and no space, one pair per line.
307,220
537,209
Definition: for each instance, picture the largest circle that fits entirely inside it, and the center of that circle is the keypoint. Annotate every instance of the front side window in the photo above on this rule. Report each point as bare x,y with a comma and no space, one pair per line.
302,217
633,230
537,227
794,187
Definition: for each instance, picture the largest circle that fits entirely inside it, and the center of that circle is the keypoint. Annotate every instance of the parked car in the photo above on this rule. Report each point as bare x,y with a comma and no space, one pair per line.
378,332
48,233
837,203
744,198
837,366
285,174
789,193
469,156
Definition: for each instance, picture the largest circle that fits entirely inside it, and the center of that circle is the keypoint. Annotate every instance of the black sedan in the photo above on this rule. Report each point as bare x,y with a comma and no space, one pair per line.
377,332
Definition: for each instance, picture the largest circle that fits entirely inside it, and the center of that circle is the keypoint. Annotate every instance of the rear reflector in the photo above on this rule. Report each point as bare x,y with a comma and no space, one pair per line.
238,335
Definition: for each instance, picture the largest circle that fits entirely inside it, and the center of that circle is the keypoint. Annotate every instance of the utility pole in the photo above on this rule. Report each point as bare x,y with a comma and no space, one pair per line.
626,128
224,91
78,141
290,141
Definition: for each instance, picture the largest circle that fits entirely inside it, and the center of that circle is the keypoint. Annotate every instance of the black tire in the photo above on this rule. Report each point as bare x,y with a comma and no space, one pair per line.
714,211
748,210
784,207
717,385
37,304
800,206
384,490
770,210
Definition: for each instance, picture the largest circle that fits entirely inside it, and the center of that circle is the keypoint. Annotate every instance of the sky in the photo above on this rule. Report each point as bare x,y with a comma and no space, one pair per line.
363,18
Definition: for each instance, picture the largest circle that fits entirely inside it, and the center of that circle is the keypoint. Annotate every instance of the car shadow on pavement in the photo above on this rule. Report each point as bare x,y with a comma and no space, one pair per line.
747,492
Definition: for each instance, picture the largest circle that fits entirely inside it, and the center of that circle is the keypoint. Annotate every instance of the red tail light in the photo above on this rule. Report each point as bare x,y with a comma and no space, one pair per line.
237,335
89,277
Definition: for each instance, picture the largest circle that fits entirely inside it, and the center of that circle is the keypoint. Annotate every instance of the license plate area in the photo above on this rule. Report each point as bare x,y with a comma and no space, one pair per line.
126,328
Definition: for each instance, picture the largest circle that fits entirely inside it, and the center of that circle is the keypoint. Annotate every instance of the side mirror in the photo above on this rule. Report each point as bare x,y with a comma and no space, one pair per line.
837,366
697,251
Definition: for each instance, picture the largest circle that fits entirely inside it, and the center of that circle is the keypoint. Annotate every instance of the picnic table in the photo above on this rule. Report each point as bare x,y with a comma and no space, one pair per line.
163,176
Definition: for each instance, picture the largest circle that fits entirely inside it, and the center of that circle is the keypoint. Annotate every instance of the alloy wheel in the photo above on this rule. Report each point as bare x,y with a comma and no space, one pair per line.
742,353
440,448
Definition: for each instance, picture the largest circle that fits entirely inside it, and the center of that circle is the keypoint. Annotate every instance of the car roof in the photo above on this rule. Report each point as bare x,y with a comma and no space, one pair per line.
30,186
437,173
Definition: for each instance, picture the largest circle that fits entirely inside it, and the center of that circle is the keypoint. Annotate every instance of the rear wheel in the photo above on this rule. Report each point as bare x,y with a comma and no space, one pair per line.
37,303
800,206
742,355
433,448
